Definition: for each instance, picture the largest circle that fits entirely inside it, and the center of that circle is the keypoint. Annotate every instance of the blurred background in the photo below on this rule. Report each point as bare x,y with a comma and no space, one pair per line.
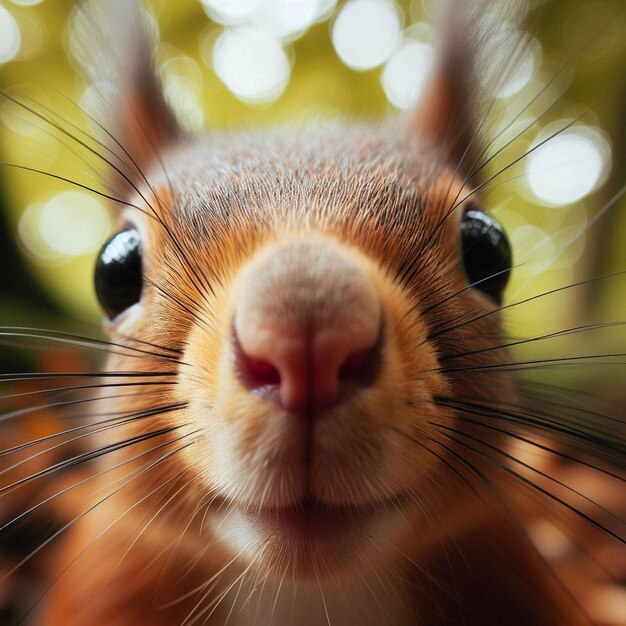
237,63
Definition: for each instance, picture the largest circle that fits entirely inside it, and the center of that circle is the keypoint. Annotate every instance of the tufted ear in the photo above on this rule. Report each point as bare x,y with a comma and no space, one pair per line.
117,52
444,117
447,114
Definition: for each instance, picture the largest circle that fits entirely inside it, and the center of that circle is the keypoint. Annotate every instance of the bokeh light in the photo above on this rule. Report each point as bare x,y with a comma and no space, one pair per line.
568,166
282,19
365,32
69,224
407,72
26,3
182,80
508,62
93,99
230,12
533,246
34,34
285,19
251,63
10,36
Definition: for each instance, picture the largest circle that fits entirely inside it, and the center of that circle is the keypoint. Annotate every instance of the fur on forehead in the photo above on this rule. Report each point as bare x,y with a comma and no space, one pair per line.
317,174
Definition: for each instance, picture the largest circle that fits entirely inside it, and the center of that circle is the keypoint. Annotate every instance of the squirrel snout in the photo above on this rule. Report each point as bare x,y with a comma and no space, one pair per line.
307,325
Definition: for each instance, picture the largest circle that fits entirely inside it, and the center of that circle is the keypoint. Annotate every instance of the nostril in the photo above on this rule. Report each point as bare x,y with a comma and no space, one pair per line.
264,373
361,368
255,373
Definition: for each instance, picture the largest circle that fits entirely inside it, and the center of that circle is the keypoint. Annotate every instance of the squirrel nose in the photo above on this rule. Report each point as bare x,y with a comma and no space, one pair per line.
307,329
309,370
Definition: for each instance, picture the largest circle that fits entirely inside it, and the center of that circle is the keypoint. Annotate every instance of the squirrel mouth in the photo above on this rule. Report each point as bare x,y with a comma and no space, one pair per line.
311,519
312,536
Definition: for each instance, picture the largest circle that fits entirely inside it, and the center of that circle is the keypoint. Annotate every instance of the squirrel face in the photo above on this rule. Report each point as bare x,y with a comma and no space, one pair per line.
305,312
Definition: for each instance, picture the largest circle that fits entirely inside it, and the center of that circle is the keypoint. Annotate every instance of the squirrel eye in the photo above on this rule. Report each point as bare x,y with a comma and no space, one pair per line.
118,275
487,257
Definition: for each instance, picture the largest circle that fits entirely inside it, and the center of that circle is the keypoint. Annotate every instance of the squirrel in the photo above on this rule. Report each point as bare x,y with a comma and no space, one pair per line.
321,397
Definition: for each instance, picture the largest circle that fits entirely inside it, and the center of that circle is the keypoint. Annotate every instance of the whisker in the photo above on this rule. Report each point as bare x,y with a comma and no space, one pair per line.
122,417
141,473
87,456
46,376
505,307
69,181
81,143
555,428
537,363
97,428
56,390
57,336
66,403
80,483
513,458
514,521
520,342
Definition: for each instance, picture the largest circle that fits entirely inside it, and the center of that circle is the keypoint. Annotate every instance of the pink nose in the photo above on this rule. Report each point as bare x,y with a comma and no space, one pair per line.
307,329
303,371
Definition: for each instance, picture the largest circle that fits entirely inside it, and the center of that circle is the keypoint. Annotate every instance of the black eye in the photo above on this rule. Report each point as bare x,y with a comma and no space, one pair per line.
486,251
118,275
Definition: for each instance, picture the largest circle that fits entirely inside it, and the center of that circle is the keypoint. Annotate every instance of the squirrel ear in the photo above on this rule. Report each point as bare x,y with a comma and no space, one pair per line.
447,115
118,56
444,117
